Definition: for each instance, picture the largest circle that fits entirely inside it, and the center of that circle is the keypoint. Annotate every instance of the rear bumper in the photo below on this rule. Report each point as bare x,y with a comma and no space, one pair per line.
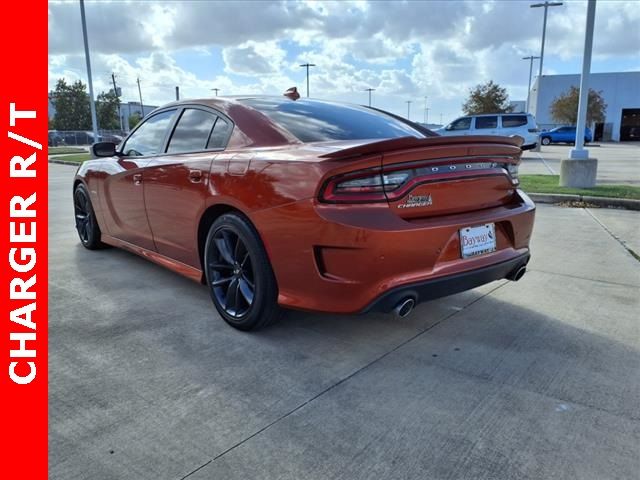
449,285
346,259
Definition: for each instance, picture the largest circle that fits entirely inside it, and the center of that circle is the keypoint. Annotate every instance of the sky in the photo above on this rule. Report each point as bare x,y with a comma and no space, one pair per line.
406,50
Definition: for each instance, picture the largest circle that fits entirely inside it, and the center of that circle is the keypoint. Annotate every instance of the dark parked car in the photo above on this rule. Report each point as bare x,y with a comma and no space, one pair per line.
564,135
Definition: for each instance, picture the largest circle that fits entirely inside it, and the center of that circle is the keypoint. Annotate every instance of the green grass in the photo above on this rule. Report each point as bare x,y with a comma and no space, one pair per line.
62,150
550,184
78,157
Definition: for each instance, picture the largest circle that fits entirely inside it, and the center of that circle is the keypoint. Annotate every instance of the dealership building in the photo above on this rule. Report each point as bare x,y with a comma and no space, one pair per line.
621,93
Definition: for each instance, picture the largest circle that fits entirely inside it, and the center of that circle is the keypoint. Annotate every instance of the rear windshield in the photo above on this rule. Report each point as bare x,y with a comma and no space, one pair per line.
317,121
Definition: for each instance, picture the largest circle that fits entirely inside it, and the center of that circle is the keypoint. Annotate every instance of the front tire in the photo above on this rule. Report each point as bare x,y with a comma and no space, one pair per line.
239,276
545,141
86,223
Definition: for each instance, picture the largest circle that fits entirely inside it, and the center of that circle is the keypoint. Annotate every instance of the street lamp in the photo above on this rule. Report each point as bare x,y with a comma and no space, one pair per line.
369,90
426,115
94,119
579,170
531,58
546,6
408,109
307,65
216,90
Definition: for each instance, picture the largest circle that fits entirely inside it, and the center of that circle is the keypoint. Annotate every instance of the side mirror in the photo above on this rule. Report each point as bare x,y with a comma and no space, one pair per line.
103,149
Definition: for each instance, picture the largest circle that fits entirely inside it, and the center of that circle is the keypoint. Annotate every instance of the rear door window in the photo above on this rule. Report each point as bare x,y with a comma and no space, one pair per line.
511,121
219,135
487,122
192,131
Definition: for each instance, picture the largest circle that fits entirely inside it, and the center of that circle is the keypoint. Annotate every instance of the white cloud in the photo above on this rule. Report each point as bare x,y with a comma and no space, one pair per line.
403,49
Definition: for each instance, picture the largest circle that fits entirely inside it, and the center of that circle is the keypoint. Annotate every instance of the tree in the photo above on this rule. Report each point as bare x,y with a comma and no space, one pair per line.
72,106
107,111
134,119
487,98
564,108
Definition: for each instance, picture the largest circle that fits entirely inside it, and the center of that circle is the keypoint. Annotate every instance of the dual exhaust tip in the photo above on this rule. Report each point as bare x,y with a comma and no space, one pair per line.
405,306
517,274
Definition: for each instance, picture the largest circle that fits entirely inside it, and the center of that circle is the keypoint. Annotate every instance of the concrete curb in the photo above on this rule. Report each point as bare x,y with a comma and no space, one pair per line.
606,202
64,162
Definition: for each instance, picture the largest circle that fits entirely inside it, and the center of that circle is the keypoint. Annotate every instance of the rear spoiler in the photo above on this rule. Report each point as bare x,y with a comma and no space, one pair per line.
406,143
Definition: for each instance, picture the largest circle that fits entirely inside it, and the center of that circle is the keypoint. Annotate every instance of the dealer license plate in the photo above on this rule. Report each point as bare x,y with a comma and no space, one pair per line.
477,240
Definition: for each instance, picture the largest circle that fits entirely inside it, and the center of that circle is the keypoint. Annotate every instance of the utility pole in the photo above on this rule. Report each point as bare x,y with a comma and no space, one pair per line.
408,109
546,6
140,95
369,90
115,92
216,90
94,119
307,65
531,58
177,93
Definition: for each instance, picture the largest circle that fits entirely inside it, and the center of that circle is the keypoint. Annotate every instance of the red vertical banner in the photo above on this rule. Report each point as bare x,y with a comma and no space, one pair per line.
23,240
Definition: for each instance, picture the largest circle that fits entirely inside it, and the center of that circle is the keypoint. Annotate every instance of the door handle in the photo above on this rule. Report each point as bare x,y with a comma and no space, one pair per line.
195,176
137,179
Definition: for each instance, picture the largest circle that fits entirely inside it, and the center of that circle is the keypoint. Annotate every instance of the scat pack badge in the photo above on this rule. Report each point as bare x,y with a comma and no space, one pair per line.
417,201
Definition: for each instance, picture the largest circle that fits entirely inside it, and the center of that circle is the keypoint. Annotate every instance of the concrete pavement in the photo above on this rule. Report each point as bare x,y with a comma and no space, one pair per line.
618,163
535,379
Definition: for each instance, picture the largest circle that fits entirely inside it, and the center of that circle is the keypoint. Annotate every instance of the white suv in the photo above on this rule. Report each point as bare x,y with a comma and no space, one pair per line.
503,124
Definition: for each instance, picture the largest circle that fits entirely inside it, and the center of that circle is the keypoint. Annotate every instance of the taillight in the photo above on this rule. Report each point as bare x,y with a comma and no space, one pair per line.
363,188
366,186
512,168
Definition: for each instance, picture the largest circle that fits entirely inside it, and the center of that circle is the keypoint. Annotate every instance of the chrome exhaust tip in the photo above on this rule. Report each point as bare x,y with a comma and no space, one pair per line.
404,307
517,274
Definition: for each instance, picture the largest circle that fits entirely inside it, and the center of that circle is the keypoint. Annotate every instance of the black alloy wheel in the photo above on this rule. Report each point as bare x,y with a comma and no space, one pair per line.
240,278
86,224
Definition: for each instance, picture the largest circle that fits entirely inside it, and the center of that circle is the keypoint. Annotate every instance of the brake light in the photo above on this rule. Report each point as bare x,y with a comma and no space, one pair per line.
361,187
372,185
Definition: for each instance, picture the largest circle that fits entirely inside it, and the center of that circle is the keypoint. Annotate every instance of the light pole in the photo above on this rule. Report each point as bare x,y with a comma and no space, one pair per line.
307,65
408,109
546,6
531,58
94,119
426,111
140,95
426,115
579,170
216,90
369,90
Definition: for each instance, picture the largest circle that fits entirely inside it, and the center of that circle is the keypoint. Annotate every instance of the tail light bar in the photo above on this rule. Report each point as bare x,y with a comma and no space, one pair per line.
373,185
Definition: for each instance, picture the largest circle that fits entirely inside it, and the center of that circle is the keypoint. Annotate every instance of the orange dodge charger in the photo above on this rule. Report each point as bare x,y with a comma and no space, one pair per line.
275,202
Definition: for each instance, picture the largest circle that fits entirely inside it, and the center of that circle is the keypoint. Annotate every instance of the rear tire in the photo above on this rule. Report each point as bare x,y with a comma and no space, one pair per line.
545,141
238,273
86,223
